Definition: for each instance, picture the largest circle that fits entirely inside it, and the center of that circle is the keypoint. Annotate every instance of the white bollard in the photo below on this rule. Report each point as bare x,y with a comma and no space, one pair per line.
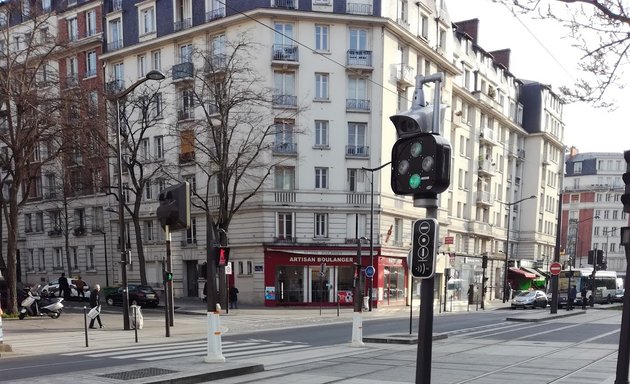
215,354
357,330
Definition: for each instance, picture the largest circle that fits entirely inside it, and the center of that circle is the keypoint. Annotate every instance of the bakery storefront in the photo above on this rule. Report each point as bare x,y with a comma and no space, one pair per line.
296,276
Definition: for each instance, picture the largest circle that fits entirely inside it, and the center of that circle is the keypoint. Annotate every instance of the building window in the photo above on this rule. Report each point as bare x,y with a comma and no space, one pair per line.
147,21
577,167
97,219
148,190
90,23
57,258
42,259
356,139
192,180
28,225
73,28
31,259
356,180
285,226
398,232
321,37
321,133
321,225
284,89
90,264
158,142
115,35
148,230
191,233
156,60
39,222
424,27
321,178
90,64
321,86
358,39
75,258
284,178
142,66
185,53
157,107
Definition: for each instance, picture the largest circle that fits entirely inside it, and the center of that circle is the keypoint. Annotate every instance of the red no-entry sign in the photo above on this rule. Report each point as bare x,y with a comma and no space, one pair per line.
555,268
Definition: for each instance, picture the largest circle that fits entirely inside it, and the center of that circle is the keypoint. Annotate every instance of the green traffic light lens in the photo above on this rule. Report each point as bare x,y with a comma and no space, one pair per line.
414,181
416,149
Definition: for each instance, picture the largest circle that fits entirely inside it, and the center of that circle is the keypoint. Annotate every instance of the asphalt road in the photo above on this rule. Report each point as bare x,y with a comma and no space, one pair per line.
490,325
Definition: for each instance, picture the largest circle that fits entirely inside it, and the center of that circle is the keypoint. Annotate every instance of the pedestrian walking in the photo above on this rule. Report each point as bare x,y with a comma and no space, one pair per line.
80,284
572,296
583,294
95,300
64,287
233,297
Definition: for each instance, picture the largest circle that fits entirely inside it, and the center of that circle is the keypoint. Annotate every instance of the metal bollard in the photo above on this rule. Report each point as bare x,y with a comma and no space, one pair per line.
338,305
135,321
85,326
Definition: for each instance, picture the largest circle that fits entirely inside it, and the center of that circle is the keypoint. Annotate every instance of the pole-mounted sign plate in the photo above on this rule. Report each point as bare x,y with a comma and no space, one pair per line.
423,248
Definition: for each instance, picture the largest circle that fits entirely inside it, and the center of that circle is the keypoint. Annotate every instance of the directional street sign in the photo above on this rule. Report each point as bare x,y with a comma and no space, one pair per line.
423,248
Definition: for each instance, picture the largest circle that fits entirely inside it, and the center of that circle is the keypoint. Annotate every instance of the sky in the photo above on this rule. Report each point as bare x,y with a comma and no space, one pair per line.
550,60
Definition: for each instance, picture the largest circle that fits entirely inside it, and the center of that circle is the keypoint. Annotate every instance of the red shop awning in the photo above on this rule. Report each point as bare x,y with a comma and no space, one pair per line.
522,273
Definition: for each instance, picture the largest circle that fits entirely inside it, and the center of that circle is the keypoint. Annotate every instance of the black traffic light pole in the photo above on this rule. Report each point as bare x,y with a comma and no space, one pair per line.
168,288
166,310
623,355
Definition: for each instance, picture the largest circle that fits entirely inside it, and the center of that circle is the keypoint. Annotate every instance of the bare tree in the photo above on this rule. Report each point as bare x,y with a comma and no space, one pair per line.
141,116
600,30
33,121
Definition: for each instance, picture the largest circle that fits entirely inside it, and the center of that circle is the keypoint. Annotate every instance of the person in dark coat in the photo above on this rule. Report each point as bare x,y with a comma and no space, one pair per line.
64,287
233,297
95,299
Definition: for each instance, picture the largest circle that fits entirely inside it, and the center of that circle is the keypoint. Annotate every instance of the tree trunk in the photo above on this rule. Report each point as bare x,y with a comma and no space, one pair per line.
12,235
66,236
140,249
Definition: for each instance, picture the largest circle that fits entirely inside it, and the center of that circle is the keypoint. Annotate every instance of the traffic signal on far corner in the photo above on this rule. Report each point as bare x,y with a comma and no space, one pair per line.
421,164
221,255
174,209
484,262
625,198
168,276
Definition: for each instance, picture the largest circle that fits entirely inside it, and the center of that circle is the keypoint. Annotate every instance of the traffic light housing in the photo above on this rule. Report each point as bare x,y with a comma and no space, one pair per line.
174,209
421,164
591,257
484,262
168,275
600,257
625,198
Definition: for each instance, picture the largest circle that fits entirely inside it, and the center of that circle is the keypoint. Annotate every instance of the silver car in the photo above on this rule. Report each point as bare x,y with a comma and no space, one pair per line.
530,299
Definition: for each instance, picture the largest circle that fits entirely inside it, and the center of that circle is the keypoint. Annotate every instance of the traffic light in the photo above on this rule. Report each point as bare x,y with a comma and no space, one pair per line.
591,257
420,164
168,275
600,257
625,198
174,209
221,255
484,262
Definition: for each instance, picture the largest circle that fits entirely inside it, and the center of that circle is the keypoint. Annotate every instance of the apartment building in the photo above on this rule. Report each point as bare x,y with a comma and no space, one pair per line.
592,210
336,70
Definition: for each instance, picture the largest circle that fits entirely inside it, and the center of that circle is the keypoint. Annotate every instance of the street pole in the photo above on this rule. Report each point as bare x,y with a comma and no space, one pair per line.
507,246
106,261
372,170
623,356
124,256
357,317
556,259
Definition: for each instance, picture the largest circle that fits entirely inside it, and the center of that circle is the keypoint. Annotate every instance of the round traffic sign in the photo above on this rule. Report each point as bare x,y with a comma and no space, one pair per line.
555,268
369,271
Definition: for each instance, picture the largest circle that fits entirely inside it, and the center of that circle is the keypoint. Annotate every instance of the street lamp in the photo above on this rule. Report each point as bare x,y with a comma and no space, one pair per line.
151,75
372,170
507,244
578,250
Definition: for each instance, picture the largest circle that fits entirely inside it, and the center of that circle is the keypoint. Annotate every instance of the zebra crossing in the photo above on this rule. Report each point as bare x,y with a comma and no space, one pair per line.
155,352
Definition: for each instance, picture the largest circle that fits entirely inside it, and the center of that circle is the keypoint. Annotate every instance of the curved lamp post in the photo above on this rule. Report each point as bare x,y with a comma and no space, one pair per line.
507,244
151,75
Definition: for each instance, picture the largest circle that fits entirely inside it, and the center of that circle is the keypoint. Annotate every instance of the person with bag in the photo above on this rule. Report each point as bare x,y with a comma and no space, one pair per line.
95,299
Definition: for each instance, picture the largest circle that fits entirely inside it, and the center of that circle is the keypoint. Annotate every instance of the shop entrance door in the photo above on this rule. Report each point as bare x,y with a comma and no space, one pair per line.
319,284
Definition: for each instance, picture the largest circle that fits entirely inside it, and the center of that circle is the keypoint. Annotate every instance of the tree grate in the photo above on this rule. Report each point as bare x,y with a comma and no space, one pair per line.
138,373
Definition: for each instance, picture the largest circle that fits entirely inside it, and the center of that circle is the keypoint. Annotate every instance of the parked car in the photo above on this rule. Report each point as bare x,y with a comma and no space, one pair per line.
52,289
530,299
138,294
618,298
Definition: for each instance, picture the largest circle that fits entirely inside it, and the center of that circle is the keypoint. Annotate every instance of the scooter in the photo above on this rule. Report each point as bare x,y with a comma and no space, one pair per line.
34,305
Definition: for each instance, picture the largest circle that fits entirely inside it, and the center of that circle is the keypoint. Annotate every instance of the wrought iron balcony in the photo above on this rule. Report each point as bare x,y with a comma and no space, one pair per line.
357,151
183,70
284,101
359,9
285,148
359,58
357,105
182,24
285,52
215,14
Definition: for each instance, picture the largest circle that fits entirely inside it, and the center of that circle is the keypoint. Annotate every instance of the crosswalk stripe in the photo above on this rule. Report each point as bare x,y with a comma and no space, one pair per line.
228,354
117,349
153,351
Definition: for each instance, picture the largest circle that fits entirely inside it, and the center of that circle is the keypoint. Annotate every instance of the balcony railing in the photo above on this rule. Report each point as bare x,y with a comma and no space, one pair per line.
183,70
359,9
185,114
285,197
90,73
357,198
285,52
289,4
405,74
359,58
215,14
182,24
114,45
488,135
284,101
115,86
487,166
484,197
357,105
285,148
357,151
